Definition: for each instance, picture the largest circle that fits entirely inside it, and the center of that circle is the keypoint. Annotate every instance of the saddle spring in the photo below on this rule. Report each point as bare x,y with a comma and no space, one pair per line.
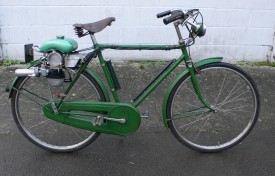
80,32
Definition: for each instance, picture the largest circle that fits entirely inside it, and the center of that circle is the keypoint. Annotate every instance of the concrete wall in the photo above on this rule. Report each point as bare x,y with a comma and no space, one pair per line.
237,29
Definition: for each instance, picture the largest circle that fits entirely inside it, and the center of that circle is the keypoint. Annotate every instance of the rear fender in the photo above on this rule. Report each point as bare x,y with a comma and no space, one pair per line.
100,83
9,87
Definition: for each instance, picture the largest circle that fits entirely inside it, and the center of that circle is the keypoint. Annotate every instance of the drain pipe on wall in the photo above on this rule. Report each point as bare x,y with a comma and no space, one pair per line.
272,54
1,47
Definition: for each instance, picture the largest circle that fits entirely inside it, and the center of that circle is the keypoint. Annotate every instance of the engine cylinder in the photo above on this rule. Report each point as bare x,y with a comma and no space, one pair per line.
55,59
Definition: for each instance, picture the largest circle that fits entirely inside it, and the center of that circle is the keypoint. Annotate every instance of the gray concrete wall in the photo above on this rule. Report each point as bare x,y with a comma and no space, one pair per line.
237,29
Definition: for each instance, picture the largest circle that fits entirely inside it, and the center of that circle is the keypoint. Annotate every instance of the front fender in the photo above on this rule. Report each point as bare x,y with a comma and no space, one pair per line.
183,73
9,87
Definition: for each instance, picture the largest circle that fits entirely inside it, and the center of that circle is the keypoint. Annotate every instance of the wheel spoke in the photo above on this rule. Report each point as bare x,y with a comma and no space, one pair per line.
202,126
232,100
237,96
191,123
220,89
39,123
89,97
235,109
235,116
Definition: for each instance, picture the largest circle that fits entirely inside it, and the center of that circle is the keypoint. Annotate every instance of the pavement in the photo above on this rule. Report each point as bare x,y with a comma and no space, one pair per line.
152,150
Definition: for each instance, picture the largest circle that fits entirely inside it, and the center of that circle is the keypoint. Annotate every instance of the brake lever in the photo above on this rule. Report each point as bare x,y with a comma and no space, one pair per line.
192,10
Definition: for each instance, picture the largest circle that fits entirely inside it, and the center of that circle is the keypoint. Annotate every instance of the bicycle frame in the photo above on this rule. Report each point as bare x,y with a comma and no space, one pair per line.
110,75
151,87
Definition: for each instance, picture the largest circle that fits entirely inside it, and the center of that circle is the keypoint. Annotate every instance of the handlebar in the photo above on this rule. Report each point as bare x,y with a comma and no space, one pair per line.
183,18
165,13
175,15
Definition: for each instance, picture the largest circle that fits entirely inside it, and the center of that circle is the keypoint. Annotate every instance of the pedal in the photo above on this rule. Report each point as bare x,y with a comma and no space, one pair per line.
98,121
145,115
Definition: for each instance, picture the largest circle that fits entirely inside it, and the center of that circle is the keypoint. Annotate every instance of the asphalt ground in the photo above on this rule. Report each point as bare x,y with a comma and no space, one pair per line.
152,150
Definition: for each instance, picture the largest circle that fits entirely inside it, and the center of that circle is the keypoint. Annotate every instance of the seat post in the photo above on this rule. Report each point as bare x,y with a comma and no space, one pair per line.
93,39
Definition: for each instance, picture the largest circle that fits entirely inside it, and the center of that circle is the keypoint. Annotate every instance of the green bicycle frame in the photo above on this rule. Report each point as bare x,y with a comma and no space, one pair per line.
184,57
83,123
110,75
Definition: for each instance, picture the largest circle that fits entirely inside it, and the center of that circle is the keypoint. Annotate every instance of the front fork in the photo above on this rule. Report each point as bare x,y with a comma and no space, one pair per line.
193,72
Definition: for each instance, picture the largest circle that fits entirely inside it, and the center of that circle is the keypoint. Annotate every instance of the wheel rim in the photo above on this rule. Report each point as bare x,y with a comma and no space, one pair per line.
48,133
205,131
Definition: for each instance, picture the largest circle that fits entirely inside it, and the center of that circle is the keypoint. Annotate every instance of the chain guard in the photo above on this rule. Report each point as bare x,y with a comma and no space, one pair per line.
109,109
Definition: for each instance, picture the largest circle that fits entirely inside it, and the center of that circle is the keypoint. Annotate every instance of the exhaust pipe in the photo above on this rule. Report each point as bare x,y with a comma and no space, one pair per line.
27,72
35,71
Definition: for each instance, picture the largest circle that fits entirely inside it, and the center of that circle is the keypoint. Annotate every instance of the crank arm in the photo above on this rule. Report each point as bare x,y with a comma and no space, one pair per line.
115,120
99,120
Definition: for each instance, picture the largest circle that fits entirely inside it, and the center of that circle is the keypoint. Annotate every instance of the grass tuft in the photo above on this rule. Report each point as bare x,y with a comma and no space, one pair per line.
253,64
8,62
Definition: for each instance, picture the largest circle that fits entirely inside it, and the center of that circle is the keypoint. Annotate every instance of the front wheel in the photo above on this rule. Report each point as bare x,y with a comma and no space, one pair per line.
235,100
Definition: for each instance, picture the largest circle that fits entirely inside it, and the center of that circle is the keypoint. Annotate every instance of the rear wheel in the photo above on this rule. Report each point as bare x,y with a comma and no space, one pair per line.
234,97
46,133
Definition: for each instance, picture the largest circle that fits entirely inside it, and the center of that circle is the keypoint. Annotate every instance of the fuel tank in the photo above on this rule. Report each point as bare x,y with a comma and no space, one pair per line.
60,43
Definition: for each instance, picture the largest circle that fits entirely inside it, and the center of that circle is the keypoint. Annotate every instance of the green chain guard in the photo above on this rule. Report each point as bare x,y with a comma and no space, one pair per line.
111,110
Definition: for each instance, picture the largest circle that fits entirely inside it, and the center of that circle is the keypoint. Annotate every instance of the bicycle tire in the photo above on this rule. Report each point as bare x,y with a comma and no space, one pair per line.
62,132
236,127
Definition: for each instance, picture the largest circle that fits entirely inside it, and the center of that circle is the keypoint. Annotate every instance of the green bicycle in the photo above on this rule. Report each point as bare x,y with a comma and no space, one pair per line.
61,105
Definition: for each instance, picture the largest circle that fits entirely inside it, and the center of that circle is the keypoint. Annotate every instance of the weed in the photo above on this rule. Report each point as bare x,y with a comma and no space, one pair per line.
146,63
9,62
252,64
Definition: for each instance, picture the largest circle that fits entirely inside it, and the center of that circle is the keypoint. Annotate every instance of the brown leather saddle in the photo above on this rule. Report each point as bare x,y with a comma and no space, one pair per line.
96,26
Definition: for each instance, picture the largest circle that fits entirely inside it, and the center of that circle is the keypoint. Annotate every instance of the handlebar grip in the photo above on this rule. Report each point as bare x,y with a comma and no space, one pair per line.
162,14
173,17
